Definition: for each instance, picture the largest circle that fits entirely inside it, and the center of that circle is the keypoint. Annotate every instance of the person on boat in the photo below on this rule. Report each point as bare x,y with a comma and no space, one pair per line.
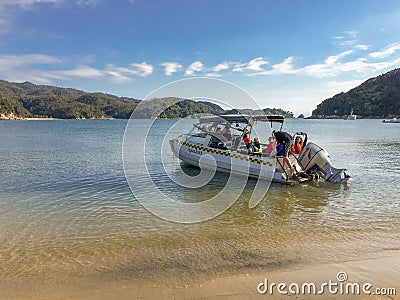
246,133
284,138
249,145
270,146
298,144
279,149
226,132
257,145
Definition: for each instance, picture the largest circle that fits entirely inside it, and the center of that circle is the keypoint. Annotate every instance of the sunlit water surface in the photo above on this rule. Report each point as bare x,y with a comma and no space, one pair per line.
66,209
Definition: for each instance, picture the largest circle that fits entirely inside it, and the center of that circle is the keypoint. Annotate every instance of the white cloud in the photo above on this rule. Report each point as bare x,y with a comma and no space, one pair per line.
27,67
214,71
285,67
118,77
334,66
27,2
196,66
387,51
347,39
361,47
220,67
143,69
82,71
335,58
360,66
10,61
171,67
121,74
253,65
87,2
213,74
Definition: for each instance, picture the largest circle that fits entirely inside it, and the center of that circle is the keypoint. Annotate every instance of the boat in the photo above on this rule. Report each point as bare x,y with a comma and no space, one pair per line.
394,120
216,142
352,116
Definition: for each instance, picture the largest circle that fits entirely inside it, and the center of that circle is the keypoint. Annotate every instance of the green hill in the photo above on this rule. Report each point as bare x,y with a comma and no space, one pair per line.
377,97
184,108
31,100
267,111
20,100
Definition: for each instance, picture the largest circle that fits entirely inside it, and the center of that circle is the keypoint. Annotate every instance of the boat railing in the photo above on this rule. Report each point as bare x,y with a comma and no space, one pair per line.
281,165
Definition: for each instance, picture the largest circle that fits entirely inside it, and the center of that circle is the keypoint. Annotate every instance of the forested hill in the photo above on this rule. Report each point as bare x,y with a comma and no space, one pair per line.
22,100
30,100
377,97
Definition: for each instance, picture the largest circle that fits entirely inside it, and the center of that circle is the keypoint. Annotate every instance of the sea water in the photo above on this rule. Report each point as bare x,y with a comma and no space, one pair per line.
66,210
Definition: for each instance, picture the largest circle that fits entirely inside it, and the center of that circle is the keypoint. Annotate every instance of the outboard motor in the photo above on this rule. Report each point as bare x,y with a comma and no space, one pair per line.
317,163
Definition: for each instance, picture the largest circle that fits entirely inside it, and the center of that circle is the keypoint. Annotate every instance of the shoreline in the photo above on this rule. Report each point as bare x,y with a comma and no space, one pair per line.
108,119
57,119
381,272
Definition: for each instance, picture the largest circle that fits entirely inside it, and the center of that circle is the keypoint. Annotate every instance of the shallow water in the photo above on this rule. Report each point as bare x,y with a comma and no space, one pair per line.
67,210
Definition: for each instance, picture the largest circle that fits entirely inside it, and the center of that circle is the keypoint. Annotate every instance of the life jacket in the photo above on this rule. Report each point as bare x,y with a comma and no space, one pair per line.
298,147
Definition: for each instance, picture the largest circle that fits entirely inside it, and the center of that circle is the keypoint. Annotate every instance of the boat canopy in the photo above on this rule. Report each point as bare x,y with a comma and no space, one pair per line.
270,118
247,119
228,118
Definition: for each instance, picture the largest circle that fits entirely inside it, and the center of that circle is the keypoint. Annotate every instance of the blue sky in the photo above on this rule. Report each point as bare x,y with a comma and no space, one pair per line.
288,54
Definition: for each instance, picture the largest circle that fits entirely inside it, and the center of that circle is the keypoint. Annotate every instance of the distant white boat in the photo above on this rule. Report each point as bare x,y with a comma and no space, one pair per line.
352,116
394,120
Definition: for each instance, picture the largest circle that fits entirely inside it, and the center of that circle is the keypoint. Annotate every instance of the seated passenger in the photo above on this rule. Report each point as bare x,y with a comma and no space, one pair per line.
218,130
298,145
256,145
270,147
249,146
226,132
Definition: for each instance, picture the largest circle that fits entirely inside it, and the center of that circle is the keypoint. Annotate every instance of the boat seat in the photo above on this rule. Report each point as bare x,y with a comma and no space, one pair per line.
255,154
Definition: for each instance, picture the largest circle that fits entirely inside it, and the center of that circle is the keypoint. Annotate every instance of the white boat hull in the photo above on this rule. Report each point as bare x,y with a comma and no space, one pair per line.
261,167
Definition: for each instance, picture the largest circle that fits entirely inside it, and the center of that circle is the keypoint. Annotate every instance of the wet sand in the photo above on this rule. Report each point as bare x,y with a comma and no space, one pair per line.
380,273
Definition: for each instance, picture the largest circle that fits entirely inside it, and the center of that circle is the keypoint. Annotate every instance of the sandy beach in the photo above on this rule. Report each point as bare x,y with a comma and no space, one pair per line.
382,273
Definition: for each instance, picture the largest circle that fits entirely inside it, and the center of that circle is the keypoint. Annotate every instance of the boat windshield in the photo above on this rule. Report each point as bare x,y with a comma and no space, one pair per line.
223,128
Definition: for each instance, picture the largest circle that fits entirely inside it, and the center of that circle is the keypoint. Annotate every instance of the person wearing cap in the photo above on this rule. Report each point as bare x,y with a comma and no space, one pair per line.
286,140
